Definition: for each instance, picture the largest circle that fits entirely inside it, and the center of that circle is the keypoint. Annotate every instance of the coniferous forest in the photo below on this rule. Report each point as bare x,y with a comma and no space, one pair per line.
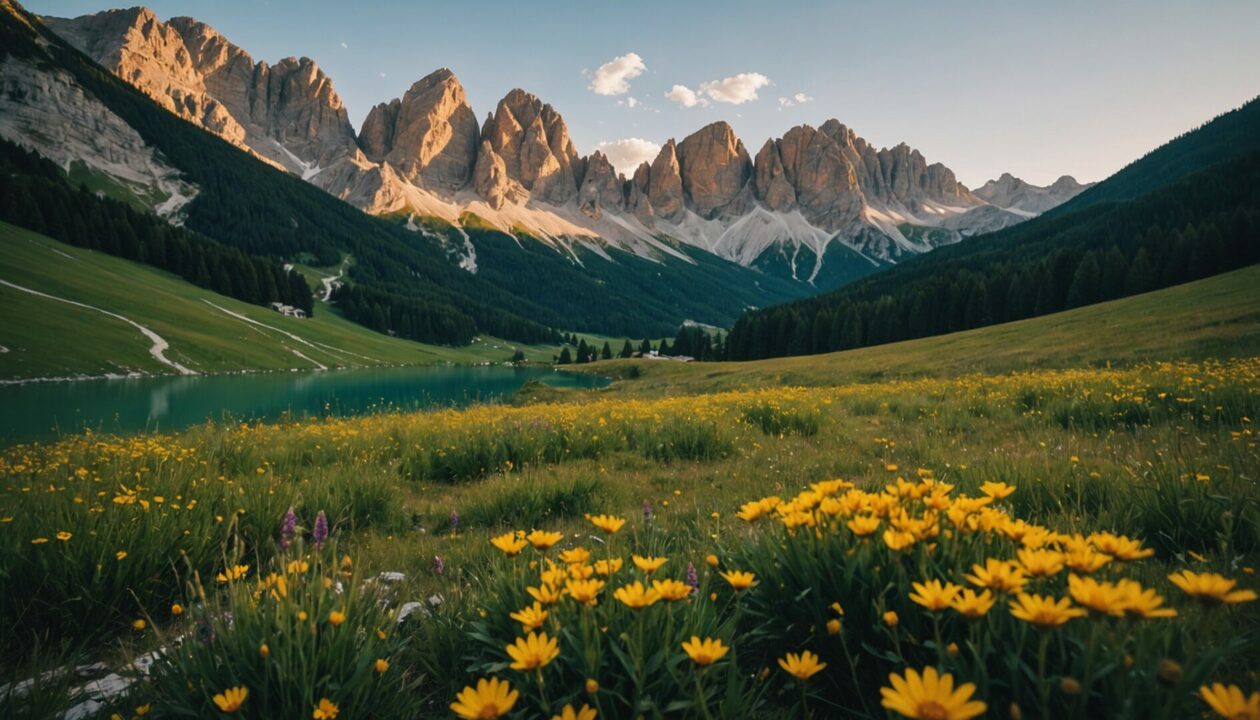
1203,225
35,194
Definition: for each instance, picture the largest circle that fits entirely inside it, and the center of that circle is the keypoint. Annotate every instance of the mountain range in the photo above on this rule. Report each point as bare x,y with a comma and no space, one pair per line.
818,205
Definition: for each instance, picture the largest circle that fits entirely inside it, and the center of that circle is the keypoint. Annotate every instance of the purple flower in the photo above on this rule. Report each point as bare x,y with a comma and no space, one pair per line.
693,577
321,529
647,510
288,527
439,565
454,521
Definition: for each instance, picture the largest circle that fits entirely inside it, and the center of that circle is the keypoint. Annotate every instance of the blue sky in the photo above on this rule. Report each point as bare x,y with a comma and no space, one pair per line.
1038,89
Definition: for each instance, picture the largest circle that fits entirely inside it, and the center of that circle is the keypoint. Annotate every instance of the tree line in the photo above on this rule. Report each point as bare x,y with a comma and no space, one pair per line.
35,194
691,342
1206,224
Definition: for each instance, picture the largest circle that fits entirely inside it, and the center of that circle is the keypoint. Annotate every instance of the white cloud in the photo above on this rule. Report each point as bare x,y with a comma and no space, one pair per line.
626,154
685,96
736,90
632,101
345,46
797,99
611,77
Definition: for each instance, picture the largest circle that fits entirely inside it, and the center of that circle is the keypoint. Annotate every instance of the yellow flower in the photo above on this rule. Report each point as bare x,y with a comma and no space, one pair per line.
144,709
592,686
636,596
1085,560
998,575
545,594
930,696
302,616
39,541
177,609
671,590
236,572
543,540
381,665
509,543
1041,563
934,595
711,560
576,556
1044,612
1142,602
607,567
326,710
120,555
863,525
1120,547
584,591
297,567
607,523
969,604
336,617
648,564
803,666
898,540
1210,588
704,652
231,700
568,713
530,618
64,536
739,580
891,619
138,624
264,650
997,491
1230,703
1103,598
533,651
833,626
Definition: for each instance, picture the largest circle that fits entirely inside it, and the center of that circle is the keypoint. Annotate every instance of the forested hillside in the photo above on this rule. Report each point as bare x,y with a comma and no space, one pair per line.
1202,224
251,206
34,194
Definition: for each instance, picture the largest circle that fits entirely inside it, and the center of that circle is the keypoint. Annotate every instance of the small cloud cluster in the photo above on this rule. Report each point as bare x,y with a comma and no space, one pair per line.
685,96
797,99
627,153
612,78
734,90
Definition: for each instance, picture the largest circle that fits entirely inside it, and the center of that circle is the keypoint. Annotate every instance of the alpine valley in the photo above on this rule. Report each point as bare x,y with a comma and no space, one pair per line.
498,226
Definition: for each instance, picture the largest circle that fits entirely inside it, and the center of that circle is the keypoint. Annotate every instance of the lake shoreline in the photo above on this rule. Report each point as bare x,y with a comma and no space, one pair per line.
125,404
138,375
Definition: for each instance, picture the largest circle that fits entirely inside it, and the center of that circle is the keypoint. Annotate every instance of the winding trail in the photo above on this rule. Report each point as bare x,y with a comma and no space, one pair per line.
329,280
314,345
158,348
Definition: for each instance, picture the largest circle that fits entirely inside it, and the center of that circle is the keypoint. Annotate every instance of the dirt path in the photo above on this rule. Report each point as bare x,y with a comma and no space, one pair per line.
157,349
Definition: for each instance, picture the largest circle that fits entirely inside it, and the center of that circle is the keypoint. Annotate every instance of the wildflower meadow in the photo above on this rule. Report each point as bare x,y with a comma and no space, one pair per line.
1047,544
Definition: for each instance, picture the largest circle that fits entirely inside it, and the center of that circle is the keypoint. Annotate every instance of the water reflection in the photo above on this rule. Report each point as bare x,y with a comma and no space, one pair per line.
42,411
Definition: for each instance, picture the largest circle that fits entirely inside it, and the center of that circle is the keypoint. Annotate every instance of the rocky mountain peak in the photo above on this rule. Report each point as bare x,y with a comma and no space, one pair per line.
288,113
713,167
532,142
1012,193
430,135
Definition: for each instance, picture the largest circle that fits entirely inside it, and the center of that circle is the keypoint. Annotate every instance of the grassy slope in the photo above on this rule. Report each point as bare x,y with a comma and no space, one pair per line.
1216,317
49,338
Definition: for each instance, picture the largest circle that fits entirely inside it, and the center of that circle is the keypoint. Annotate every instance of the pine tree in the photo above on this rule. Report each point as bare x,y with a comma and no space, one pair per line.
565,357
606,353
626,350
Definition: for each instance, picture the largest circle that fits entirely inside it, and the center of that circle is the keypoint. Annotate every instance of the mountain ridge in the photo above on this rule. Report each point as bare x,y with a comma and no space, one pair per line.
425,154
